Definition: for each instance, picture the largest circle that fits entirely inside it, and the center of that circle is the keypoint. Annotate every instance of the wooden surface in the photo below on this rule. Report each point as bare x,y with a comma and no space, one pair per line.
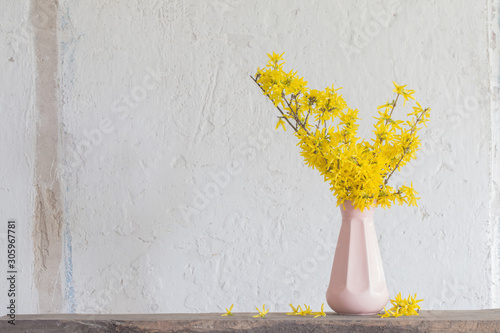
428,321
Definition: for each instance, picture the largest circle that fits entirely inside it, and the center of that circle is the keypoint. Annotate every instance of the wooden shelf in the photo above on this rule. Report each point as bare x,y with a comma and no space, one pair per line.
428,321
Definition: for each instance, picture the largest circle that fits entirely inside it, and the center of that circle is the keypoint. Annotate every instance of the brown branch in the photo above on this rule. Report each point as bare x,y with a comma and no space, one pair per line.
279,109
413,129
397,164
296,114
393,107
307,116
394,103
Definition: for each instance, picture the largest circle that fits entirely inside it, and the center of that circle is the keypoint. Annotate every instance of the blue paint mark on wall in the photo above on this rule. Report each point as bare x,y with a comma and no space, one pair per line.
69,292
67,58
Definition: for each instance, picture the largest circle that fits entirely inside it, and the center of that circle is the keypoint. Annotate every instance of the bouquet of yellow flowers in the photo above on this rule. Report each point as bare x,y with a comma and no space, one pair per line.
326,128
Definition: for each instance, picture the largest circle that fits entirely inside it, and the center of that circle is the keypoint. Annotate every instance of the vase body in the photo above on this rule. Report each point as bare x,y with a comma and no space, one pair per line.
357,283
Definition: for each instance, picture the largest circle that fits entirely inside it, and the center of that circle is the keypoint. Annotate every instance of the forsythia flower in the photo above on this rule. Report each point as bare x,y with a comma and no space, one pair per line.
262,313
402,307
281,122
326,128
400,90
321,313
228,311
307,310
275,58
295,310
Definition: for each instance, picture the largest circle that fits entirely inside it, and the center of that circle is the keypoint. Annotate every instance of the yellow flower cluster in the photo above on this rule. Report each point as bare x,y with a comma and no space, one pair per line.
228,311
297,311
403,307
357,170
262,313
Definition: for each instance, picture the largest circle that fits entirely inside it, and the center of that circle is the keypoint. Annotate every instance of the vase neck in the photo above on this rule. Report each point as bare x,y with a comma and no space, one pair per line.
347,210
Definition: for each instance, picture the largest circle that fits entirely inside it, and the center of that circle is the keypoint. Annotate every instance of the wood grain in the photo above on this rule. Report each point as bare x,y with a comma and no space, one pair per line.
428,321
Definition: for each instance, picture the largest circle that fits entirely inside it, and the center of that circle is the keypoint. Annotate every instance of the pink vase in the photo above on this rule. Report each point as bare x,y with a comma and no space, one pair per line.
357,284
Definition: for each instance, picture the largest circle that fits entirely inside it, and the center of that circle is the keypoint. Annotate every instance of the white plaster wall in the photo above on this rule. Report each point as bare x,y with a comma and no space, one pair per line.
494,57
17,143
178,195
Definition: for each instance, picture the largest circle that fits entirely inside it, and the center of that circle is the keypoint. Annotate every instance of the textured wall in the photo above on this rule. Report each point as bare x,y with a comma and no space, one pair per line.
494,231
178,196
17,147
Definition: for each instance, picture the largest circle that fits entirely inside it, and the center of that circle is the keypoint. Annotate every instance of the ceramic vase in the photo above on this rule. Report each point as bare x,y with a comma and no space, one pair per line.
357,283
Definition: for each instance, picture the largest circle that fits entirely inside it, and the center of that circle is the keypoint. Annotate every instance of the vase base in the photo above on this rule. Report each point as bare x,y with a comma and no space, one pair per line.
357,314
